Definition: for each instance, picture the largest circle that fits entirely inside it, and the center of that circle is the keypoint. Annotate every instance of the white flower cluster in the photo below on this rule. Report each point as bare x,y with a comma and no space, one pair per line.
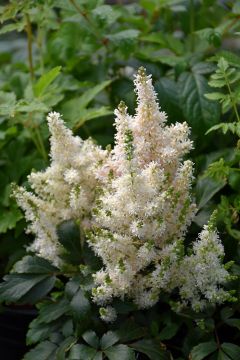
65,190
133,203
144,211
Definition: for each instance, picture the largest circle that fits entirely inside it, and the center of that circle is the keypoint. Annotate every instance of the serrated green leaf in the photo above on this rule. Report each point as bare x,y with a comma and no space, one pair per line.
232,58
152,349
117,352
200,112
82,352
217,83
233,322
105,14
15,286
72,287
64,347
201,351
222,356
80,305
123,36
53,311
38,291
169,331
155,37
90,114
226,313
215,96
7,103
108,339
44,351
98,356
75,109
224,127
206,188
223,64
40,331
9,219
91,338
19,26
129,331
31,106
34,265
45,80
69,236
232,350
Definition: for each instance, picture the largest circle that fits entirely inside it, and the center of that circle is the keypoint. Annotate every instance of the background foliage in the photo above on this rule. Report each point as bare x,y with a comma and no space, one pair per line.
78,57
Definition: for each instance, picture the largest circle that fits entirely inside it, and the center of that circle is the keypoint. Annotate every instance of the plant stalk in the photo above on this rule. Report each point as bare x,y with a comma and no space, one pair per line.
29,43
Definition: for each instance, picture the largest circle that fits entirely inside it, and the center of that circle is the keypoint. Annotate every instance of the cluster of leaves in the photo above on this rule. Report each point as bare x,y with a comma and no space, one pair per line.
78,57
68,326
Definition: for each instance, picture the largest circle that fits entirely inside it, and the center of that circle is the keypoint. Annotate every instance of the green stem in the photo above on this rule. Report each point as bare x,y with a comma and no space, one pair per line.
217,338
41,144
34,139
29,42
94,30
192,25
40,46
234,105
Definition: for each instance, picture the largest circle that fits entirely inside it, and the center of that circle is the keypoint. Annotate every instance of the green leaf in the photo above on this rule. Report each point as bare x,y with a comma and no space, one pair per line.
19,26
44,351
73,108
206,188
232,350
7,103
82,352
49,312
155,37
90,114
129,331
215,96
98,356
39,331
69,236
123,36
198,110
168,93
152,349
105,15
226,313
233,322
202,350
222,356
63,348
169,331
80,305
38,291
45,80
118,352
31,106
232,58
9,219
91,338
225,127
34,265
15,286
109,339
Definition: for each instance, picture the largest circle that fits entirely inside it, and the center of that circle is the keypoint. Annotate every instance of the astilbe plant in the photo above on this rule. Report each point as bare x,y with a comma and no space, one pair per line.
133,205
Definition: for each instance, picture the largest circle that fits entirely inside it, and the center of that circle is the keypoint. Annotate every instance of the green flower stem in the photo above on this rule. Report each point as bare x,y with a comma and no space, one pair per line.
29,43
234,105
192,26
